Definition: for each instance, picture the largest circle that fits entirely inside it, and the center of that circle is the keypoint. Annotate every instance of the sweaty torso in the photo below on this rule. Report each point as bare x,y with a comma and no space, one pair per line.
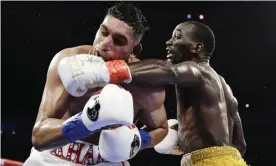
77,104
194,112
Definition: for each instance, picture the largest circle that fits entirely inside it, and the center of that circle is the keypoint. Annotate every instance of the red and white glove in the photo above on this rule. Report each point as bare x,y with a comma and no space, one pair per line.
80,72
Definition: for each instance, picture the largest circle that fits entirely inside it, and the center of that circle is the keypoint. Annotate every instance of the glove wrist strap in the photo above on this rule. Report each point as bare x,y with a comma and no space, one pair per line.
74,129
145,139
118,71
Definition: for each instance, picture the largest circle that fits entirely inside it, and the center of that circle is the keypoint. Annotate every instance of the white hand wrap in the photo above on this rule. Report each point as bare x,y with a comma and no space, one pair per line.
119,144
169,143
82,71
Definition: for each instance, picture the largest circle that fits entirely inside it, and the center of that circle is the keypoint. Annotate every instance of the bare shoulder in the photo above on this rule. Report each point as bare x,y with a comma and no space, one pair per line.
83,49
194,68
226,87
228,91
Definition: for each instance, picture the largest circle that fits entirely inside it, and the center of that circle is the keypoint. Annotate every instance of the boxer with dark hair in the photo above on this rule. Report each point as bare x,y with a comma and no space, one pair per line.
73,118
209,129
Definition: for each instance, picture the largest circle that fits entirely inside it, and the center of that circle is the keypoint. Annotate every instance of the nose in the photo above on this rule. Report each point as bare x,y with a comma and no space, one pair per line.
105,45
169,42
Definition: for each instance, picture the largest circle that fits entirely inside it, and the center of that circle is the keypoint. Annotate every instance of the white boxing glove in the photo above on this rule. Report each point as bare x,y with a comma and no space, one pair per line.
120,144
112,105
123,163
169,145
80,72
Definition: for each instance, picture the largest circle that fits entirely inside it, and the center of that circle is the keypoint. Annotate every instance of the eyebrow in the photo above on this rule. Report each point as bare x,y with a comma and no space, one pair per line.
103,26
179,30
122,37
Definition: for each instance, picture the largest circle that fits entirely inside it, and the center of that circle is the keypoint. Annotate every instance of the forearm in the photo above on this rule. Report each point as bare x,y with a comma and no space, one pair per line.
48,134
238,136
157,136
146,71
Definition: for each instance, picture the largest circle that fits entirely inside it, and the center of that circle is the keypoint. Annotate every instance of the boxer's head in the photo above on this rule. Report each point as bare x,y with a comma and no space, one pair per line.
190,41
120,33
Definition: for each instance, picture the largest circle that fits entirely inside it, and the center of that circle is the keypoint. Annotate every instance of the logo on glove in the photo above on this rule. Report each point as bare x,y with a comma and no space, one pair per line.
134,146
93,113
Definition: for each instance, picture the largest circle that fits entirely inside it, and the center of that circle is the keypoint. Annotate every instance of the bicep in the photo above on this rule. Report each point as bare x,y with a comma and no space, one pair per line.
55,98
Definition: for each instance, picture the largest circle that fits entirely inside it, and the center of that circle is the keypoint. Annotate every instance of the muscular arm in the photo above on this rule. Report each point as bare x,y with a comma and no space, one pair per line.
238,136
154,116
47,133
160,72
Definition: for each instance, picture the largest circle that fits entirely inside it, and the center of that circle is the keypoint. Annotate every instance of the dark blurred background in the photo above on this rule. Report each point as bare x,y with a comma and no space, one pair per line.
33,32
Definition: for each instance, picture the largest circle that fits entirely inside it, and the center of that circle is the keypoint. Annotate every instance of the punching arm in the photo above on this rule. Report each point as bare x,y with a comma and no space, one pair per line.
47,131
81,72
160,72
238,136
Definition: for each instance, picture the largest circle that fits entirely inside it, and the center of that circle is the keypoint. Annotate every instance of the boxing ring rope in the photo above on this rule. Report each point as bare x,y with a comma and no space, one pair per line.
8,162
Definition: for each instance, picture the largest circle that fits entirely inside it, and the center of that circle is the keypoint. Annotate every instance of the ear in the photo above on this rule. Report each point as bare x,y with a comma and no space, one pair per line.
197,47
137,49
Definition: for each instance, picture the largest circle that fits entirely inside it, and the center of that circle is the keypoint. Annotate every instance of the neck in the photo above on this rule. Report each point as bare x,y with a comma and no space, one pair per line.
202,60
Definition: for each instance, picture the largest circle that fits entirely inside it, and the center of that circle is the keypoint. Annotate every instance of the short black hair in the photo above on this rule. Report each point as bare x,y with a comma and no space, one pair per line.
131,15
204,34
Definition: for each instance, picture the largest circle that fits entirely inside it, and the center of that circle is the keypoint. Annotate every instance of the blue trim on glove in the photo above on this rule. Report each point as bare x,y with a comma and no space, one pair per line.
145,139
74,129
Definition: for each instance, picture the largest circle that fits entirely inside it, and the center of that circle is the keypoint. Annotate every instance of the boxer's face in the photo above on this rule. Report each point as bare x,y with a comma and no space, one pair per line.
178,47
114,39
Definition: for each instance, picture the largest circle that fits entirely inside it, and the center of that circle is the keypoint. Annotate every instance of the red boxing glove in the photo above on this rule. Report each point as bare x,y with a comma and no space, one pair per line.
118,71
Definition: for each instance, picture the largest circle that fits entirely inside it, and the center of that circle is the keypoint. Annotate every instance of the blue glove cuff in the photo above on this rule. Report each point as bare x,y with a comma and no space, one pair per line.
74,129
145,139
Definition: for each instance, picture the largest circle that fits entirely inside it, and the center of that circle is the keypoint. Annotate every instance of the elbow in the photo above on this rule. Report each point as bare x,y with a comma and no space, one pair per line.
37,139
164,133
243,148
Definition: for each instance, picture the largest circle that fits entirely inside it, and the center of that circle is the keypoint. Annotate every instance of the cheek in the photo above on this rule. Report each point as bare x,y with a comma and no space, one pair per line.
119,53
178,47
182,48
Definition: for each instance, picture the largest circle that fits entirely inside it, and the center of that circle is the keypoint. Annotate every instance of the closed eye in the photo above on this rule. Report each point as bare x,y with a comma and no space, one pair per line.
104,30
119,40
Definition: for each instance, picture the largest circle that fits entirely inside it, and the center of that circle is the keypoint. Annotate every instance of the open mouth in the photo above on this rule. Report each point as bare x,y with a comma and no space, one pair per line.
170,55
